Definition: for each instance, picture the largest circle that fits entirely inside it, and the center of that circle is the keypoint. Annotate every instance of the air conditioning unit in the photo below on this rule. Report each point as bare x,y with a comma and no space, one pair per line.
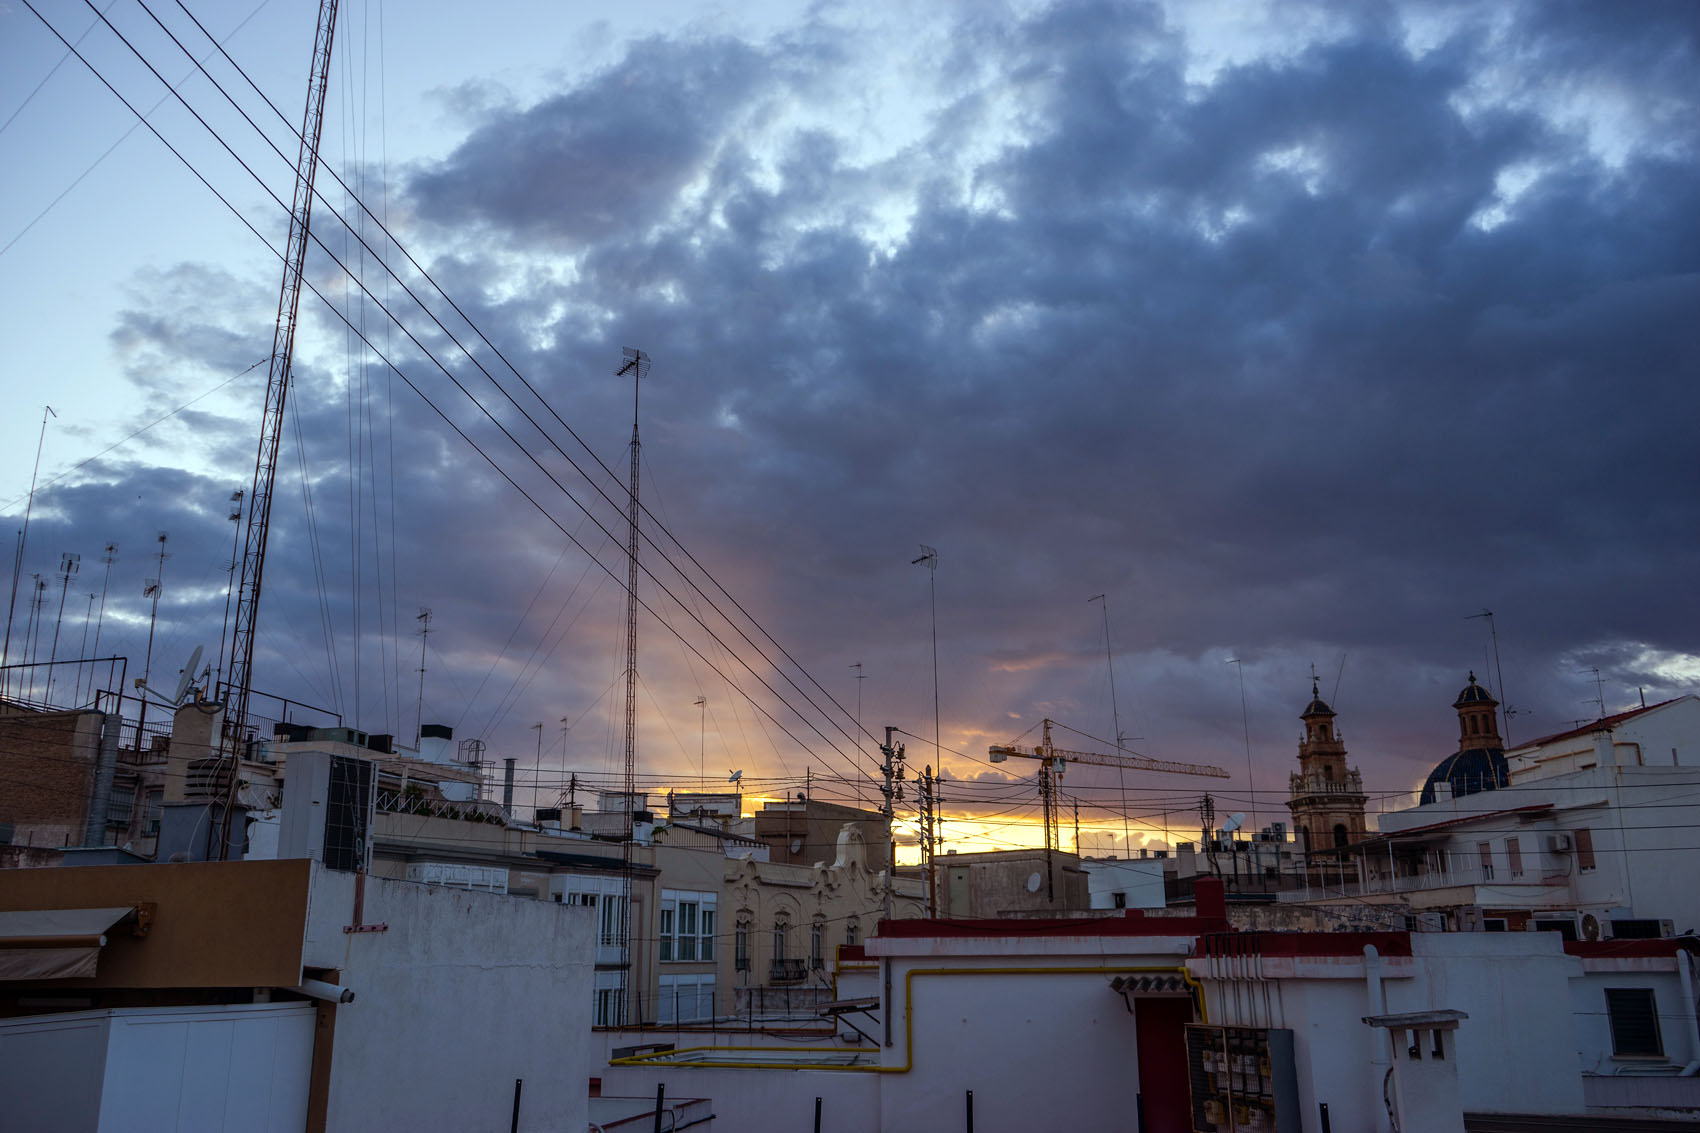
328,806
1558,843
1595,926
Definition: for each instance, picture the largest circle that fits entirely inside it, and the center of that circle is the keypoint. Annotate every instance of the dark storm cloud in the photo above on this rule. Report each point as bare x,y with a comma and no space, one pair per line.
1262,350
1271,361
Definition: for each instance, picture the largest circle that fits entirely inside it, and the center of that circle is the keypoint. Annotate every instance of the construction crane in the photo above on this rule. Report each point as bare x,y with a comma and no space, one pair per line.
1053,761
242,627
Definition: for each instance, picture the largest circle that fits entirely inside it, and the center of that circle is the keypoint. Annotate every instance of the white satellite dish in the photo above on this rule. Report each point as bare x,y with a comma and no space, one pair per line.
736,775
187,676
1034,881
1234,822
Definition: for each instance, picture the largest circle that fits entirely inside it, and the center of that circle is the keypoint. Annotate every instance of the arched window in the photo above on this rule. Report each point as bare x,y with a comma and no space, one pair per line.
1340,835
817,944
851,927
741,944
781,930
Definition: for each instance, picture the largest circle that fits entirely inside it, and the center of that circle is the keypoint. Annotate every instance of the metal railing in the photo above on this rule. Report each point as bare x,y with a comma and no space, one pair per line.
783,971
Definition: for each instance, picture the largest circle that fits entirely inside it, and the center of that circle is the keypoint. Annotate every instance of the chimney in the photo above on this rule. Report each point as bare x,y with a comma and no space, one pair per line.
1209,899
434,740
1605,755
508,785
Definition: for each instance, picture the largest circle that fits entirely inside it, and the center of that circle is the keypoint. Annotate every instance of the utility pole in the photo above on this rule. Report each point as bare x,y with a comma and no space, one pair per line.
23,542
891,786
1116,723
1207,818
924,800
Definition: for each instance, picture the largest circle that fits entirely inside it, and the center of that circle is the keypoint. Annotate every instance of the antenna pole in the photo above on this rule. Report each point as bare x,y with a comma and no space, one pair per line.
69,563
1245,726
108,556
702,750
931,558
23,540
1499,673
1116,723
635,363
860,677
83,650
424,620
156,585
236,498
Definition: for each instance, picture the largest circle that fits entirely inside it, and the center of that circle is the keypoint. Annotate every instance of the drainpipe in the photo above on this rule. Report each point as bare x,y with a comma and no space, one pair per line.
1381,1058
1685,967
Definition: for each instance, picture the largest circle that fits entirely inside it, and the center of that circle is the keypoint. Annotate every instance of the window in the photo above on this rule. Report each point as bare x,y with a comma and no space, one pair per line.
817,945
850,928
780,930
1585,850
610,1000
613,926
686,998
150,818
120,803
1118,900
1486,851
1341,837
1514,856
686,926
741,946
1634,1021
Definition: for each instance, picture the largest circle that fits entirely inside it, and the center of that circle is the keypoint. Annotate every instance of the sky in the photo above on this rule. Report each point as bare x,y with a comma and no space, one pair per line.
1301,332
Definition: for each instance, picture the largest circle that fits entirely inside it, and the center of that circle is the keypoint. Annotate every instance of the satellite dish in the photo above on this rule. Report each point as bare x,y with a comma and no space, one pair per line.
736,775
187,676
1234,822
1034,881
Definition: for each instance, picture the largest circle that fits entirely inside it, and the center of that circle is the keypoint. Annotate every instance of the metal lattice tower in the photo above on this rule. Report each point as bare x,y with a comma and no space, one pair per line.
636,363
277,387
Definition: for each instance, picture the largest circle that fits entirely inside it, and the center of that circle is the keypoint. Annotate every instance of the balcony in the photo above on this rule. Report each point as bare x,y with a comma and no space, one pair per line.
1314,784
788,971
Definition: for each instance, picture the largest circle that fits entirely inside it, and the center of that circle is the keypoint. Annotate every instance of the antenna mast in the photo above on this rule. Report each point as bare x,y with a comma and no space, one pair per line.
1116,723
242,629
424,620
636,363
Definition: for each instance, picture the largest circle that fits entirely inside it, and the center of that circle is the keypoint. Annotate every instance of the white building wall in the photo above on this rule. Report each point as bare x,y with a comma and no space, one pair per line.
1140,882
236,1067
464,993
1593,1025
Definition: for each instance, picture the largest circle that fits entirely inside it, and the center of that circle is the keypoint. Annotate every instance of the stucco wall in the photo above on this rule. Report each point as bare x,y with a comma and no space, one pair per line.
464,993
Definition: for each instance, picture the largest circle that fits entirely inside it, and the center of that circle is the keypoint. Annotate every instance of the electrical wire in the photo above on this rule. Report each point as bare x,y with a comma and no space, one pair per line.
426,351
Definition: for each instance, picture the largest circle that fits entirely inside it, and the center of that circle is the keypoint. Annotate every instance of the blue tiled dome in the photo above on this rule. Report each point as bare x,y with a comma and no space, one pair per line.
1469,772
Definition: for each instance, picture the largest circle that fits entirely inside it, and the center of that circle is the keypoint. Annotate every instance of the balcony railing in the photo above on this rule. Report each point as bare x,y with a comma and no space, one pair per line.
789,971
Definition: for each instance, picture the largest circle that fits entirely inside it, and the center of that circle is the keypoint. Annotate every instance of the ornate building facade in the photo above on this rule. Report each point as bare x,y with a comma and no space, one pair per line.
1325,796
